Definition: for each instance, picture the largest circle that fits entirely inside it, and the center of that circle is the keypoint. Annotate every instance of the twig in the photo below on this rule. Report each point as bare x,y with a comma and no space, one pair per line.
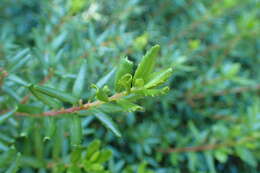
75,109
224,92
209,146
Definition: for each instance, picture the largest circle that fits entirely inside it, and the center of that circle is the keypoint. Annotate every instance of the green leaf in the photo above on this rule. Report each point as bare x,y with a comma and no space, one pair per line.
142,168
75,156
80,80
94,156
221,156
210,161
104,156
7,157
104,80
159,78
108,123
125,67
139,83
28,108
6,116
60,95
74,169
45,98
152,92
75,131
18,80
129,106
146,66
246,156
50,127
125,82
15,165
101,93
92,148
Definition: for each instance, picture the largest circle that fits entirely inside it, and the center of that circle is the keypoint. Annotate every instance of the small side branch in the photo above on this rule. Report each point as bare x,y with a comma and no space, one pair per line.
210,146
75,109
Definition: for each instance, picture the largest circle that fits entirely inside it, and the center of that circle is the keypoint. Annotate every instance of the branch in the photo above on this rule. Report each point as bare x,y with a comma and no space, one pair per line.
224,92
209,146
76,109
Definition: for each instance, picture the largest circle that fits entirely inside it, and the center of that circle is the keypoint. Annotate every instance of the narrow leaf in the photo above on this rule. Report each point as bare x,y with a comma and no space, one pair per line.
92,148
28,108
45,98
108,123
50,127
5,116
146,65
75,131
18,80
60,95
160,78
104,156
129,106
106,78
15,165
80,80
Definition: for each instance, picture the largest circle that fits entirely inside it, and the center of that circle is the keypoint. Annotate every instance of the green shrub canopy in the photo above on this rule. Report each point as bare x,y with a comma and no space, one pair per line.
85,86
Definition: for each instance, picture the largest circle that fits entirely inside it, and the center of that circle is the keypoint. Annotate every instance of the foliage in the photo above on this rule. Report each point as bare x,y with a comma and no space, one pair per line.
53,55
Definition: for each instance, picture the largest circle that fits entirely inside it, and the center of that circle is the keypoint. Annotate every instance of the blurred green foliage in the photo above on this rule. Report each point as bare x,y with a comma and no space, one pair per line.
208,122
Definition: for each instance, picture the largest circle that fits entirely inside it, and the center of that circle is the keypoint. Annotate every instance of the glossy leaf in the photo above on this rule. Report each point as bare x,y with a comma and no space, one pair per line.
60,95
129,106
146,66
125,82
104,156
160,78
108,122
125,67
92,148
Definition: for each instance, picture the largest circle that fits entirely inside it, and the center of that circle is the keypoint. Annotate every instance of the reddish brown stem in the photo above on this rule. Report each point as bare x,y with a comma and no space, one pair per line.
209,146
224,92
75,109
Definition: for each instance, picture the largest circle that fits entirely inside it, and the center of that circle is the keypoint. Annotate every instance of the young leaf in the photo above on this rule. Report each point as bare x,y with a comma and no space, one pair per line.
146,65
139,83
45,98
152,92
60,95
108,123
75,156
160,78
80,80
92,148
125,67
129,106
101,93
94,156
104,156
125,82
